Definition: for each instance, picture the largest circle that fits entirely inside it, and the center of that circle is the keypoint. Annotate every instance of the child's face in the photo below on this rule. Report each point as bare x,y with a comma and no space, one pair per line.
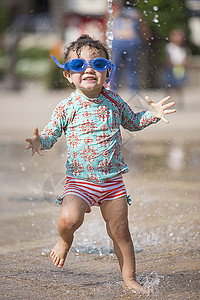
90,81
177,37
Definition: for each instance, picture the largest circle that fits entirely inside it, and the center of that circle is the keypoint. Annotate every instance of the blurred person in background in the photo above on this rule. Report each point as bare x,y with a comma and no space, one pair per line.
130,35
176,61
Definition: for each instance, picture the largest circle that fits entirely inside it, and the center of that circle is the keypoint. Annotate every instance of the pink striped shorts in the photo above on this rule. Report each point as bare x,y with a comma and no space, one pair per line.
93,193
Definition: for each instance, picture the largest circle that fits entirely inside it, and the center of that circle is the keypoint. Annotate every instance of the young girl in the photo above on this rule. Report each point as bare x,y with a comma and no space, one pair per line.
90,119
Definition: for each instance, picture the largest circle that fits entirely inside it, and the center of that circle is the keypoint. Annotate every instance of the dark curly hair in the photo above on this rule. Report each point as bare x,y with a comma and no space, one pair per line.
85,40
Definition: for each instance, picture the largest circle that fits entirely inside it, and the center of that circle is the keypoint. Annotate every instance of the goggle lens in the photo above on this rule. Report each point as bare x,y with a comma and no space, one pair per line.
76,64
100,64
79,65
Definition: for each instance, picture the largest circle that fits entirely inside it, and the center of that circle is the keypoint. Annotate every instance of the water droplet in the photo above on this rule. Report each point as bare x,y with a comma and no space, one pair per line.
155,20
155,8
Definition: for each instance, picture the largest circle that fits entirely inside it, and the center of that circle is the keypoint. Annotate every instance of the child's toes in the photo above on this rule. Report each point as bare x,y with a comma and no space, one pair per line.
52,254
56,261
61,263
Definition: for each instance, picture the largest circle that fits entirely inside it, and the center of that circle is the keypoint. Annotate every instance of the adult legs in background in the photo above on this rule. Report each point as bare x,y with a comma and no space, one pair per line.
125,57
118,59
131,75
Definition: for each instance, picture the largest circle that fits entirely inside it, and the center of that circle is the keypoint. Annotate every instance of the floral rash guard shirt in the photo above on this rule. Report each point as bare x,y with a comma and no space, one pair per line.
92,131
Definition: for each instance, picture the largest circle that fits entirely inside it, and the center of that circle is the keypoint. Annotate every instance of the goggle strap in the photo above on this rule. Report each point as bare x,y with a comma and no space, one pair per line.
57,62
111,73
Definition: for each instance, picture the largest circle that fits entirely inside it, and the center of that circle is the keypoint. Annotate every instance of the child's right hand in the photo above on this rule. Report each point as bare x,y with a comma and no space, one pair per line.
34,143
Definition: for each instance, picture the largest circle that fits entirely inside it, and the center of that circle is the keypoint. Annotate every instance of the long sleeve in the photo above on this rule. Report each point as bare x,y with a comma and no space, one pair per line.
58,123
135,121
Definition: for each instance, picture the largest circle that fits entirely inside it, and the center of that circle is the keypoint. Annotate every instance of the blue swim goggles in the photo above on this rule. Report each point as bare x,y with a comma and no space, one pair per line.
79,65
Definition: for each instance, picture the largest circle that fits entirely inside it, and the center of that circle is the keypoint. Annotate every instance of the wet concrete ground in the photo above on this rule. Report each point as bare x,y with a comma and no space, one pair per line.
164,216
30,275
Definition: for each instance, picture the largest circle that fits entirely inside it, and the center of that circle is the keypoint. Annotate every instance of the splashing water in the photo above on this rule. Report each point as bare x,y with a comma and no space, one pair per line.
155,20
150,282
109,32
155,8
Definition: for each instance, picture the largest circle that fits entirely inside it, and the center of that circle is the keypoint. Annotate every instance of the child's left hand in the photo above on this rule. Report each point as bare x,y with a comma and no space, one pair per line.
159,109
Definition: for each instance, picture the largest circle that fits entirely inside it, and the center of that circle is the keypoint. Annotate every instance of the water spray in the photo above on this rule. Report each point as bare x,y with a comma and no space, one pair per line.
109,32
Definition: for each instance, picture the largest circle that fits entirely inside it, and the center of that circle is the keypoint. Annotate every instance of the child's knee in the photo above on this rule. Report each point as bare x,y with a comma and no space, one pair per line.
121,232
69,222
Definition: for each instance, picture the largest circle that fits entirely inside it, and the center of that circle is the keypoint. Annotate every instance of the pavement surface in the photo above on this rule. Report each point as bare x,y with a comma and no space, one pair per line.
164,216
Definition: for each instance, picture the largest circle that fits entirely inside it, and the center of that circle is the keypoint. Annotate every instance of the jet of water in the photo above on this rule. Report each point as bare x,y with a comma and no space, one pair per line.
109,32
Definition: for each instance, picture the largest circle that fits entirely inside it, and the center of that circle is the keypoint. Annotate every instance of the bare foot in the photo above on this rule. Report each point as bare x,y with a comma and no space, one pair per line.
133,285
59,253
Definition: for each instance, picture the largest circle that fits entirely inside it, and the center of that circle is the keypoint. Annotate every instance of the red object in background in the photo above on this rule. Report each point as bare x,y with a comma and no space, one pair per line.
75,25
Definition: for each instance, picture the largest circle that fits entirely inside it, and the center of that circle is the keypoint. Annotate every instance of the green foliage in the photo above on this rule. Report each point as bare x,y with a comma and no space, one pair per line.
35,63
163,16
32,68
2,51
33,53
5,18
55,80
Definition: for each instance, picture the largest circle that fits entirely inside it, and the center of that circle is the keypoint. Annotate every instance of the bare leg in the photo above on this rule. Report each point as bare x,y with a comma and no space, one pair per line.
70,219
115,214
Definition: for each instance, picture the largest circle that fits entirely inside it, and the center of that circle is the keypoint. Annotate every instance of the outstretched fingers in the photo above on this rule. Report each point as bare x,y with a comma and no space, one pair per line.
35,131
169,111
164,100
149,101
34,143
39,152
168,105
160,109
164,119
29,145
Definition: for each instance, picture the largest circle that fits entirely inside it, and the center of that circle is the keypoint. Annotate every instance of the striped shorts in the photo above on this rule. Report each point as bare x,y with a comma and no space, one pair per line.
93,193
